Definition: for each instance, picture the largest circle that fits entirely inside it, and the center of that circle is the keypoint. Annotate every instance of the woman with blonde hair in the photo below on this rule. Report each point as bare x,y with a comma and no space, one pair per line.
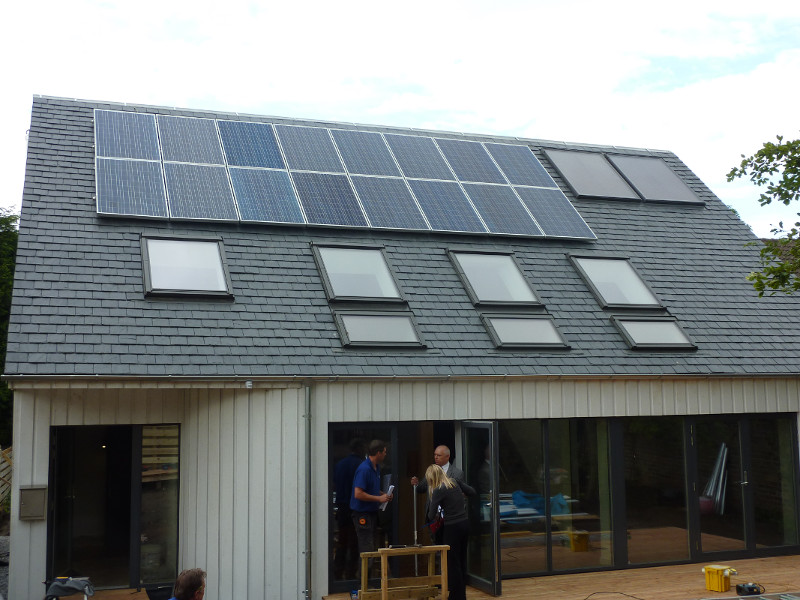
448,495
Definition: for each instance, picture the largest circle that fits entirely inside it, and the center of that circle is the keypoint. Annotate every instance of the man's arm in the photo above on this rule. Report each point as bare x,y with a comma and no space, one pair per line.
360,494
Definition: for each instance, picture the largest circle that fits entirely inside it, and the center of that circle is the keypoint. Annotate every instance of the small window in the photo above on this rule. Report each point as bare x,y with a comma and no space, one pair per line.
356,273
517,331
493,279
184,266
615,282
644,333
371,328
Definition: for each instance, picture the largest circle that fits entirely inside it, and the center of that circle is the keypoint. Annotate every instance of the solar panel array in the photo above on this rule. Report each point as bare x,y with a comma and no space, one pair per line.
205,169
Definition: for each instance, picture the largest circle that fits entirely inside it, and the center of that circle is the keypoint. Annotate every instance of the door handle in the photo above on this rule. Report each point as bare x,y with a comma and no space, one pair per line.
744,483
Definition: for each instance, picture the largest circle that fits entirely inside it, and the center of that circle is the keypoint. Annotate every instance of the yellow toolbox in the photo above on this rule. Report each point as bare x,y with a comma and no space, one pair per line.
718,577
579,540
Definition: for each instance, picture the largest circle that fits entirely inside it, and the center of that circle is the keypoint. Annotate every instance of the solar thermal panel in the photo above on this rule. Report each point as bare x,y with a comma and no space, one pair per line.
130,187
418,157
264,195
190,140
590,175
364,153
199,192
501,210
554,213
126,135
653,179
520,165
445,206
309,149
250,145
470,161
328,199
388,203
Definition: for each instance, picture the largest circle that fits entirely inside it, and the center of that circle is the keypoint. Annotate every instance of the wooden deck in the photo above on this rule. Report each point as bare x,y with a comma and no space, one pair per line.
778,575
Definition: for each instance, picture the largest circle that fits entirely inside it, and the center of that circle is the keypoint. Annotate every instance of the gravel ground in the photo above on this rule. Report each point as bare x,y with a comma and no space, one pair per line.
4,542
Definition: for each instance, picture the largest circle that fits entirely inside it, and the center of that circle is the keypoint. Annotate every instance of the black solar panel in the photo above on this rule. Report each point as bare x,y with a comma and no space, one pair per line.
446,206
653,179
126,135
309,149
199,192
501,210
190,140
554,213
418,157
365,153
264,195
250,145
388,203
328,199
520,165
470,161
590,175
130,187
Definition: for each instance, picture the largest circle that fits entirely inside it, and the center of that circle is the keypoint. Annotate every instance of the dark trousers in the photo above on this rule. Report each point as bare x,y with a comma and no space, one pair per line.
366,525
345,552
455,535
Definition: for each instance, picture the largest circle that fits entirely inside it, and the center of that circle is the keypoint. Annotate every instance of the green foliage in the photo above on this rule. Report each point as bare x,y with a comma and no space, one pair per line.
8,256
777,167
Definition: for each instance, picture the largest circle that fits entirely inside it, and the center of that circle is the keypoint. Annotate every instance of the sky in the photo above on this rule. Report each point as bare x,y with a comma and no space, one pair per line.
708,80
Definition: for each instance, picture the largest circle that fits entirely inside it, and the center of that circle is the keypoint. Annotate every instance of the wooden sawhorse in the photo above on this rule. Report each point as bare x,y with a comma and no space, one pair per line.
421,586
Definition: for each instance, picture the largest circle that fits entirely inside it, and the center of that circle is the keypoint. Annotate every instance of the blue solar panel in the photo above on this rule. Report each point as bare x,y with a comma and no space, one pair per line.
190,140
418,157
388,203
470,161
364,153
501,209
554,213
126,135
250,145
309,149
328,199
130,187
520,165
446,206
265,196
199,192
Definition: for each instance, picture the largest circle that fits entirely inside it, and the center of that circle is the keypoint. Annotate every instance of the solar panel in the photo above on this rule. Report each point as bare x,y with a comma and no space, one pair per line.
470,161
130,187
501,210
520,165
328,199
653,179
265,196
446,206
125,135
250,145
418,157
589,174
388,203
199,192
364,153
554,213
309,149
190,140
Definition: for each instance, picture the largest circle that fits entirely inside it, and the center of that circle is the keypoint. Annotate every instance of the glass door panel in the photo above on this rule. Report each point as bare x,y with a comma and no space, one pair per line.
720,485
479,458
655,484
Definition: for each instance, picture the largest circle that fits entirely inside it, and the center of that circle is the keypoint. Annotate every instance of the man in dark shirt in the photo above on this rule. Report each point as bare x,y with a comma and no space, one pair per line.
345,554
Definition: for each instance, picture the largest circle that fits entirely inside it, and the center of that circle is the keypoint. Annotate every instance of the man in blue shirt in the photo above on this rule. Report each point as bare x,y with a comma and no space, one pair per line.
345,551
367,496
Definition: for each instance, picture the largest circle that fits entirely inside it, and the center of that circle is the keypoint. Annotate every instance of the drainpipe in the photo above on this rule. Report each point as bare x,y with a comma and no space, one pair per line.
307,417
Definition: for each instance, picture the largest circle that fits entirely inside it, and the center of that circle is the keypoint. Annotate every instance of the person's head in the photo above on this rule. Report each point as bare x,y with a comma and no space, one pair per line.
377,450
190,585
441,455
357,446
436,477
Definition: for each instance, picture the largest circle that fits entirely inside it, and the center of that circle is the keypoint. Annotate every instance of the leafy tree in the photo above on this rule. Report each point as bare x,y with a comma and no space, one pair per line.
8,255
776,166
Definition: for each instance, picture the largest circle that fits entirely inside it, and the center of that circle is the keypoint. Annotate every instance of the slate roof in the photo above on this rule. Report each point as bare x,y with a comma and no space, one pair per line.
79,306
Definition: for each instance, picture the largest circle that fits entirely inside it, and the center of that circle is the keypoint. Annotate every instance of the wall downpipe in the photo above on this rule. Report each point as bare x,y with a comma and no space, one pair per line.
309,491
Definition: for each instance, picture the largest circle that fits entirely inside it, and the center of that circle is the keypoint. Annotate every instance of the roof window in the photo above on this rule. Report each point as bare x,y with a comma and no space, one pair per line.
174,266
369,328
493,279
662,333
356,273
524,331
615,283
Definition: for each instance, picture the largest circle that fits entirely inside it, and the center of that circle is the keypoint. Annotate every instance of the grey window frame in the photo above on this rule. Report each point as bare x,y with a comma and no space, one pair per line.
338,313
328,285
601,300
486,319
618,320
473,296
150,291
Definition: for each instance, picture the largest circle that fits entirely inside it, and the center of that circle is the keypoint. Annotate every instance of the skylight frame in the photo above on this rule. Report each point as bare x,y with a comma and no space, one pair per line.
340,316
329,282
488,302
598,294
619,322
489,319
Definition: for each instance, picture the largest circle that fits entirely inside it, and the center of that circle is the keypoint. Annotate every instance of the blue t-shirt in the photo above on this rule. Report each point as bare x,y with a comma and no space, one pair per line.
369,480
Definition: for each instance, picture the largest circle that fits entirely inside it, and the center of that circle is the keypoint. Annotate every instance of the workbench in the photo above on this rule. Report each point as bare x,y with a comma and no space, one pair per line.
420,586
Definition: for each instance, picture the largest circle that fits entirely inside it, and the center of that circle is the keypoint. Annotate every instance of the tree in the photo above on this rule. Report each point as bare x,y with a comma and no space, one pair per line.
776,166
8,257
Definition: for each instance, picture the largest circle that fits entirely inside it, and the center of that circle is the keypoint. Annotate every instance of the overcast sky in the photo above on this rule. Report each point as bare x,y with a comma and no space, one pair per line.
709,80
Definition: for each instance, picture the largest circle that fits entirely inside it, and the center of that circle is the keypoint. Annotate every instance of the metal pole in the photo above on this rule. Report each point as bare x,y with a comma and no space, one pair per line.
416,558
